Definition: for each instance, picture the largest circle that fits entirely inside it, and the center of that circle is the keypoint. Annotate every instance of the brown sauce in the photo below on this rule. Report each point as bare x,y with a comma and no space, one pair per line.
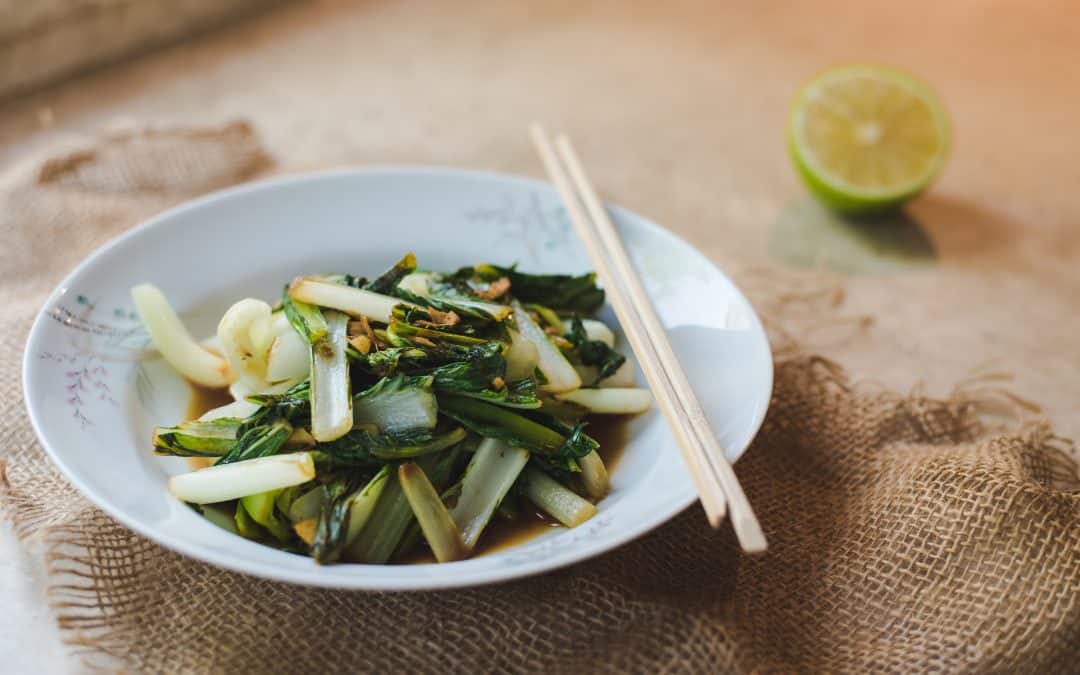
501,534
205,399
610,431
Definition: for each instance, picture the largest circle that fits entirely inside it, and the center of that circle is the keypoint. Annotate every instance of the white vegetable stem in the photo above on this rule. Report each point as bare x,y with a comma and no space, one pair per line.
492,471
435,521
289,357
417,283
521,358
213,345
623,378
240,479
238,409
244,332
560,374
559,502
610,401
355,301
594,475
241,389
331,401
396,410
594,330
175,343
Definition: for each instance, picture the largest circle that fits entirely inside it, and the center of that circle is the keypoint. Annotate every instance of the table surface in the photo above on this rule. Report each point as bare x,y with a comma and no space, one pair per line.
678,109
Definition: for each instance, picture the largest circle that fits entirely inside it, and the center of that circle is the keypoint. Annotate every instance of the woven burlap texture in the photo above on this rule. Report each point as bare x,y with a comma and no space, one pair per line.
906,535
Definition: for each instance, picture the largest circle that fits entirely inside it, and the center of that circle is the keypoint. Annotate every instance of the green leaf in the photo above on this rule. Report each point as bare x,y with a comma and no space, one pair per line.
297,397
198,439
561,292
258,441
362,448
388,280
403,334
430,317
330,534
537,433
479,366
246,526
222,515
384,362
261,508
520,394
462,305
307,320
576,446
577,443
286,496
397,403
594,352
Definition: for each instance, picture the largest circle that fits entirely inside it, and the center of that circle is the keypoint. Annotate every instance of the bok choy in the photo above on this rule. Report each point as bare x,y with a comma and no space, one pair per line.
376,420
175,343
331,398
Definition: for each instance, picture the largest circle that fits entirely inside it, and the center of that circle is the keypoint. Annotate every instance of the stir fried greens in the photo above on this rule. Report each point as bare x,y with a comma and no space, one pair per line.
372,418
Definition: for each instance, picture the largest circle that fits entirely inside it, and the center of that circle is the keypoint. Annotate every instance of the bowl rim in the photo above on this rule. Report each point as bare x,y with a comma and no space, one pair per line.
236,563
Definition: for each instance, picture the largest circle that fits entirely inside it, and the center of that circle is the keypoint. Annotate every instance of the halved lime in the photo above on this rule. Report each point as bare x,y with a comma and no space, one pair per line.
867,138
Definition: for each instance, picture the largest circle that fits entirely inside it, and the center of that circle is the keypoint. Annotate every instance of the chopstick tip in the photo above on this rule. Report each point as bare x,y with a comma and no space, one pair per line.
748,532
715,514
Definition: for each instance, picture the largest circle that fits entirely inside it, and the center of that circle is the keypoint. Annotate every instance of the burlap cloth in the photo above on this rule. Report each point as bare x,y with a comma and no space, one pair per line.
907,533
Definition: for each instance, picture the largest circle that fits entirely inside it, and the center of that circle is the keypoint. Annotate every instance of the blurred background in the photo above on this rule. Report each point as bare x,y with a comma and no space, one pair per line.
679,109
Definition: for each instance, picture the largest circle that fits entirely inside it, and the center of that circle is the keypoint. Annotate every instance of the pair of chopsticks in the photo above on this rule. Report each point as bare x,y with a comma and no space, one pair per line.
713,477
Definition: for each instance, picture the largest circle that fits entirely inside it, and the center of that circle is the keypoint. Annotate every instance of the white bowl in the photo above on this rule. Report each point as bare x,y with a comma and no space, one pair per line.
94,392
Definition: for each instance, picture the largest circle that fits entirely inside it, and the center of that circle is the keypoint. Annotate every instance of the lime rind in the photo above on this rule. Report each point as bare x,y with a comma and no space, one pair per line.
834,190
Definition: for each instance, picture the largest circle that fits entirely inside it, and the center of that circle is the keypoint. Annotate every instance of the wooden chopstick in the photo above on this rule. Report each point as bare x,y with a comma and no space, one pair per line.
745,523
713,476
711,499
